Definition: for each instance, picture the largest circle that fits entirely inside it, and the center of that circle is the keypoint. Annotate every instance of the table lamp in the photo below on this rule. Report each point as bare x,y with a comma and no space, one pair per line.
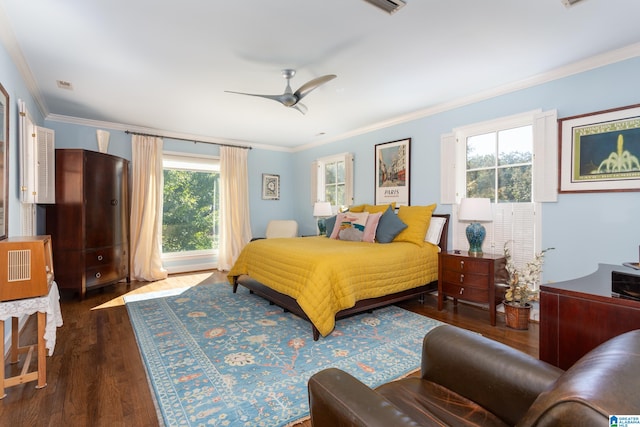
475,210
322,210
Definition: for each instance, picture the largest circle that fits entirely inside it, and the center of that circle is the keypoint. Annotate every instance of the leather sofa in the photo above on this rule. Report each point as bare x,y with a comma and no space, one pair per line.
469,380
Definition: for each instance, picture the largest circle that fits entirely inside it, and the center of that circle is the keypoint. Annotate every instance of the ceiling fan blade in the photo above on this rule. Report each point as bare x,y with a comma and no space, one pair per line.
300,107
279,98
311,85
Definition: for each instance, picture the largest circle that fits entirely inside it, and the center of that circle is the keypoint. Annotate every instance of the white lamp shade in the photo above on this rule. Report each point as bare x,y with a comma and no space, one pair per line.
475,210
322,209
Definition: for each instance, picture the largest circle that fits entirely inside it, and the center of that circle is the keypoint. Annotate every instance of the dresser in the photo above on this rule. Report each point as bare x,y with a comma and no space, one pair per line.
578,315
470,278
89,223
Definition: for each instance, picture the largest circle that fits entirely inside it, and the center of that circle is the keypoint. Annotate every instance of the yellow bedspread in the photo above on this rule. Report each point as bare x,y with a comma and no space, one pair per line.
325,275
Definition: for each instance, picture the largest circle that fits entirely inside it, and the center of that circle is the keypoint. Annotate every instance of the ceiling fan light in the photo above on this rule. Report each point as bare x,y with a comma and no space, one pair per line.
390,6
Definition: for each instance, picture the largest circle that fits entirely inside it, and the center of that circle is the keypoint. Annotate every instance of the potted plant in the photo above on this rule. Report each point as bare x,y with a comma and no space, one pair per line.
521,289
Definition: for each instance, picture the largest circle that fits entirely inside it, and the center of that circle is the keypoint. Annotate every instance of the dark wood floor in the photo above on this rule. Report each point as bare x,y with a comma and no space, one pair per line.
96,376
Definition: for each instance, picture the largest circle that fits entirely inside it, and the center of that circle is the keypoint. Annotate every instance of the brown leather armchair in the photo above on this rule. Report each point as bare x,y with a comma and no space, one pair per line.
470,380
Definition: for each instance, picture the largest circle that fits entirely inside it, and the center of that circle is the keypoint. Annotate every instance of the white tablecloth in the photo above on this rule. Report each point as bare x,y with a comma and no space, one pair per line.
49,304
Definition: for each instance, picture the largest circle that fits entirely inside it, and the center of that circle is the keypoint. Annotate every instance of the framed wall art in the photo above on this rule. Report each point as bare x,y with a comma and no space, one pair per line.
393,172
270,187
4,162
600,151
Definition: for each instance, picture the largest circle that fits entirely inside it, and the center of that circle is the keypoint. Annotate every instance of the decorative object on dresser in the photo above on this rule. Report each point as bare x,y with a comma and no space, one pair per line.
472,278
89,223
322,210
521,289
475,211
103,140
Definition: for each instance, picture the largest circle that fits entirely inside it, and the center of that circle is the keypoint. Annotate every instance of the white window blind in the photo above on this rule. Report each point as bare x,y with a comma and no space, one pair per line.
513,223
517,223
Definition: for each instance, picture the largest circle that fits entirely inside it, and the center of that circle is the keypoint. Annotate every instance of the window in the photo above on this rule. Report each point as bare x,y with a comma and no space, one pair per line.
332,180
511,161
498,165
190,218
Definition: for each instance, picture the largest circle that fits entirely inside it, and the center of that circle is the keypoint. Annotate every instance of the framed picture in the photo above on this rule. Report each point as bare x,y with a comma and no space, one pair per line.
392,172
270,187
4,162
600,151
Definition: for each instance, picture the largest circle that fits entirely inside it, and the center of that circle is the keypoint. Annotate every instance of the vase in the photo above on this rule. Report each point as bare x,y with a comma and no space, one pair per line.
103,140
517,316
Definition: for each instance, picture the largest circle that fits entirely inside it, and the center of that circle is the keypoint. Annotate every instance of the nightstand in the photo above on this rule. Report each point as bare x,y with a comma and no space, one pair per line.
471,278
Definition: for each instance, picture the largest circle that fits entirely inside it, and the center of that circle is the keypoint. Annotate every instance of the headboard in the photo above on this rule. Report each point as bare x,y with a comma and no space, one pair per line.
444,236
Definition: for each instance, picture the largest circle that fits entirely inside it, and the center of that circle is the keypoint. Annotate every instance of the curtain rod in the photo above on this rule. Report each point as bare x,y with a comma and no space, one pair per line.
190,140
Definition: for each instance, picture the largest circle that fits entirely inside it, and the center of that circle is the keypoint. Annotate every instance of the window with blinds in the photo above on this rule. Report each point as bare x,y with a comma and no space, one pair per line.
506,160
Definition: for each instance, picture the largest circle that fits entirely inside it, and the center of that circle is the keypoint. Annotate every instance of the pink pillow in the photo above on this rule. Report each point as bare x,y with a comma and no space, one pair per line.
371,227
350,220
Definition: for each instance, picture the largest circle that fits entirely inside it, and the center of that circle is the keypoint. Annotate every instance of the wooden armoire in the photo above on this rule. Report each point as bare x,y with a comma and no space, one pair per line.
89,222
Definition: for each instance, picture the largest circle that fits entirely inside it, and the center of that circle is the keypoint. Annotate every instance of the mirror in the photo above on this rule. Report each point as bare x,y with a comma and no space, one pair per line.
4,162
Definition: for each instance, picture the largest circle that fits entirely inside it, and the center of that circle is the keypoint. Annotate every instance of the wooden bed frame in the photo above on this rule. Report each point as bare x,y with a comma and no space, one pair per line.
290,304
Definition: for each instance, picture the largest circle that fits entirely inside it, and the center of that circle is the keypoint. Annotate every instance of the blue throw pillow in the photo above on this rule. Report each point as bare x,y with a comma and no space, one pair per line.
329,223
389,226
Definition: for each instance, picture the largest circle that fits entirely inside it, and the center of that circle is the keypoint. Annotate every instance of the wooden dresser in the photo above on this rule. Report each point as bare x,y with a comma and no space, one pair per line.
470,278
89,223
578,315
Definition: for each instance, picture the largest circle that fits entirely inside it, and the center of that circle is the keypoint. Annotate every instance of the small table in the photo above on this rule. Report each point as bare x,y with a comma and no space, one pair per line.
49,318
471,278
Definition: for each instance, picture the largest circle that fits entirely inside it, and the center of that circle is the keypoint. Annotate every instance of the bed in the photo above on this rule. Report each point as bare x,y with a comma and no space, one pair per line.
323,280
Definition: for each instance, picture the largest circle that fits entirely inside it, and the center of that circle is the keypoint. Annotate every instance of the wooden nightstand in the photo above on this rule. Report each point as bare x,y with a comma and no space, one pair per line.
468,278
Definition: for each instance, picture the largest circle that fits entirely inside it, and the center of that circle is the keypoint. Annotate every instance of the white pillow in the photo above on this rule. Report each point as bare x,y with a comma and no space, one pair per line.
435,230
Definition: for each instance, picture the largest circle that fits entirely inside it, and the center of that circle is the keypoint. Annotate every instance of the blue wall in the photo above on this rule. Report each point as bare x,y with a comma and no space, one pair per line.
586,229
259,161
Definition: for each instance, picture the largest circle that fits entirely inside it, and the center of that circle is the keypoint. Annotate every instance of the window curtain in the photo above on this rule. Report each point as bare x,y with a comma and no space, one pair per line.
235,221
146,209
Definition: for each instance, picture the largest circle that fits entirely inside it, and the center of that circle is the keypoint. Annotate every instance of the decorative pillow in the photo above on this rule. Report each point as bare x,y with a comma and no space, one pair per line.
435,230
350,226
417,219
370,228
356,208
389,226
379,208
329,223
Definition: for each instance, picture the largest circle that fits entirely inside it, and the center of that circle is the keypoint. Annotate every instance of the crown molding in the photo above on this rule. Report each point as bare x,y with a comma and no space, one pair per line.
164,133
607,58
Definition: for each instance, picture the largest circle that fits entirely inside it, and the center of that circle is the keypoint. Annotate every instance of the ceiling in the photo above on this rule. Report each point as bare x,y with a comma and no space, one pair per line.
164,66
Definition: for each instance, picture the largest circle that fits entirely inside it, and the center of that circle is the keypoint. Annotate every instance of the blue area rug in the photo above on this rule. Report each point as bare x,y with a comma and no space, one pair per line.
215,358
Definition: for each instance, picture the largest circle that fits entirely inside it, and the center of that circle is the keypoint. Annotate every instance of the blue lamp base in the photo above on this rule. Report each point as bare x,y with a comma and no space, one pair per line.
475,236
322,227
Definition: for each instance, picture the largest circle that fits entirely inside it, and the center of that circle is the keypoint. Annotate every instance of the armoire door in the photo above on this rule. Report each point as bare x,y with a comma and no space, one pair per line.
103,200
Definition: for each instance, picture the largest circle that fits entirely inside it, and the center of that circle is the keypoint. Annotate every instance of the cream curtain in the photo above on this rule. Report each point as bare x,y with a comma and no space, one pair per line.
234,205
146,209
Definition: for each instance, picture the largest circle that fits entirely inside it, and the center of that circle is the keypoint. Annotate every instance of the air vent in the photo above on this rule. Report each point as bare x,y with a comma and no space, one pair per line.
392,6
64,85
569,3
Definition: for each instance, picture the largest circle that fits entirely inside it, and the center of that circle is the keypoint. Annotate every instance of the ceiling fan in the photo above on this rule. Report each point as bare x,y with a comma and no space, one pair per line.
292,99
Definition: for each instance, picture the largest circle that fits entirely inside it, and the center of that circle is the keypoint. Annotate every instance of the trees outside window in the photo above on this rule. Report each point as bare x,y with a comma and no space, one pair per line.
190,220
499,165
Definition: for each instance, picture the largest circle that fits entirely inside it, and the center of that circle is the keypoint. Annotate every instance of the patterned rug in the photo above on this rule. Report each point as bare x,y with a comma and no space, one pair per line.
215,358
